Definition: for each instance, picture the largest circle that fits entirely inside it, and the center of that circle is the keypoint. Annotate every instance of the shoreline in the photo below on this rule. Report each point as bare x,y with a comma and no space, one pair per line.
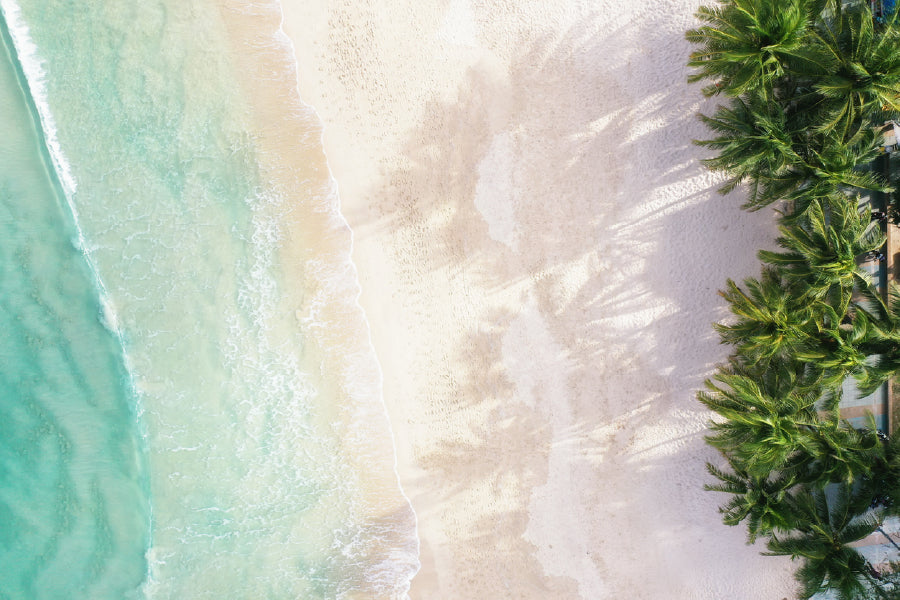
539,251
337,333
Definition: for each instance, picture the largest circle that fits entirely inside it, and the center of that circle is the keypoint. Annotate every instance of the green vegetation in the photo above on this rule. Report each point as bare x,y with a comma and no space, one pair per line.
806,85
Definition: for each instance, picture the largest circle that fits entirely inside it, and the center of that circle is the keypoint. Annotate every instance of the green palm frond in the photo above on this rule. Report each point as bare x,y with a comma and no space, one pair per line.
753,142
772,321
779,157
865,78
763,502
821,248
761,432
744,44
883,336
833,519
837,349
843,454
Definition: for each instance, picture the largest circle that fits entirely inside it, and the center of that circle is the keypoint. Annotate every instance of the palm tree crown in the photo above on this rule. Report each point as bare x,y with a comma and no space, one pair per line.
830,520
772,321
863,69
821,250
745,43
762,431
761,501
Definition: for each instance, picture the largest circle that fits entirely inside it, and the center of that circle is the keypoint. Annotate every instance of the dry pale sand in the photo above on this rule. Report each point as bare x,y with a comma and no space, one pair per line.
539,251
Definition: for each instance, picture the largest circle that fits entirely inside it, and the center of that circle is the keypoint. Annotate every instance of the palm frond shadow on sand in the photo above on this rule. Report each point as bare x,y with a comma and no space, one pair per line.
618,247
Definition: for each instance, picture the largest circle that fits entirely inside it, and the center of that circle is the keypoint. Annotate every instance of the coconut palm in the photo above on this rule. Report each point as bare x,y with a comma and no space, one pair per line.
778,378
821,250
781,421
755,144
745,44
840,453
780,157
831,168
832,164
761,432
883,484
762,501
863,69
884,339
828,521
772,320
837,349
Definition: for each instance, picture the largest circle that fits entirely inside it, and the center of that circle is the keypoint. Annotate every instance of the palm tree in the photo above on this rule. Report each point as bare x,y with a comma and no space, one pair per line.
780,322
781,421
883,484
781,157
806,83
837,350
772,320
884,338
762,501
821,250
831,168
756,145
863,69
745,44
761,432
827,522
840,453
833,165
778,378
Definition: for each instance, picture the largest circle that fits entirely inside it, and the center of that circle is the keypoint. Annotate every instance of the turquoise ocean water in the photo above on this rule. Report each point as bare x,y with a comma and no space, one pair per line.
189,404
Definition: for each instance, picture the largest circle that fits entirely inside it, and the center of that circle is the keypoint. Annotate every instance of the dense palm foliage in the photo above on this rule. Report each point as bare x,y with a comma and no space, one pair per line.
820,252
805,85
767,429
884,344
745,43
761,501
827,522
779,156
807,79
771,322
761,432
862,69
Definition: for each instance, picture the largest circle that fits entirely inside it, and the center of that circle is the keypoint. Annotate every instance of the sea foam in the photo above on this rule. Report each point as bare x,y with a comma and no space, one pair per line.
226,276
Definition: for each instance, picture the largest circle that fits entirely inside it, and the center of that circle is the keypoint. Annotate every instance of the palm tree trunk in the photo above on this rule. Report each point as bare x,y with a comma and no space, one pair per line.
876,584
884,533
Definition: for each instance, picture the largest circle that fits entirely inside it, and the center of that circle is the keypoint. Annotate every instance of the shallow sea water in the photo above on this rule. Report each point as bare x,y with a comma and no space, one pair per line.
172,426
74,517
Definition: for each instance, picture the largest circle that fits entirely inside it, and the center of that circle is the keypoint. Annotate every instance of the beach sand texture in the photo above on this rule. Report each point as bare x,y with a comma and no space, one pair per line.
539,251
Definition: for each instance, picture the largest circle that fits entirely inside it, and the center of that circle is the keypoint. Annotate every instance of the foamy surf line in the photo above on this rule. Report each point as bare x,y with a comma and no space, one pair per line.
391,564
334,208
288,44
337,279
25,54
32,66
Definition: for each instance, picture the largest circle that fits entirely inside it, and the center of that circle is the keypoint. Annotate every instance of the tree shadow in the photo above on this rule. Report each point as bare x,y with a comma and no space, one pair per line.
583,243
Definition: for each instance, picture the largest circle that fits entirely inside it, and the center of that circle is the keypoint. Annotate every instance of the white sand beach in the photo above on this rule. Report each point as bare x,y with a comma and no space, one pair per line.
539,251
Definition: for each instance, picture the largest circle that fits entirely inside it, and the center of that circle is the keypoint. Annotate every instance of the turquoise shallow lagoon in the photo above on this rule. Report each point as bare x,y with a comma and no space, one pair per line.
185,411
